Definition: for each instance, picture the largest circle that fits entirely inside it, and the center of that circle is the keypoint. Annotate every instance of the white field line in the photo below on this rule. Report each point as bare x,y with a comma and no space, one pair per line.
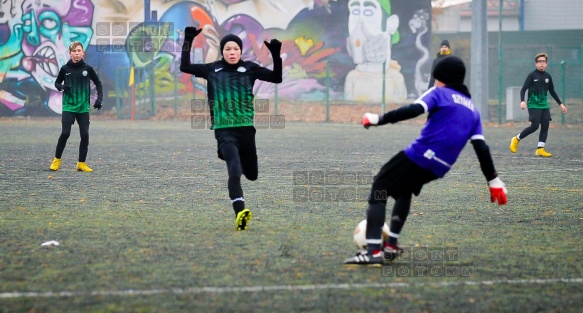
276,288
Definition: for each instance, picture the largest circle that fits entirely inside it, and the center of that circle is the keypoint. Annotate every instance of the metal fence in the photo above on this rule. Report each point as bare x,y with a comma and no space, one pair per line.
135,96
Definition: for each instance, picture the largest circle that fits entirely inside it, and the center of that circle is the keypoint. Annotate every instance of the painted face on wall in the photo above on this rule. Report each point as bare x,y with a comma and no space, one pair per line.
365,14
11,36
364,23
368,42
49,27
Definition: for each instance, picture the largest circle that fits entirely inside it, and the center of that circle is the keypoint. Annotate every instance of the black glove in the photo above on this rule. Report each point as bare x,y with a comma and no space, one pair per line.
274,46
191,32
98,104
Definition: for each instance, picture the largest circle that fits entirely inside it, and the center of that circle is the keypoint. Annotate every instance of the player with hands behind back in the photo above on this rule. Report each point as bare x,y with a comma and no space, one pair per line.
452,121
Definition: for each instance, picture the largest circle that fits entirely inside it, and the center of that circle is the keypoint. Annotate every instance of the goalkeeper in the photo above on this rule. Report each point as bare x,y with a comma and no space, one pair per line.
452,120
230,98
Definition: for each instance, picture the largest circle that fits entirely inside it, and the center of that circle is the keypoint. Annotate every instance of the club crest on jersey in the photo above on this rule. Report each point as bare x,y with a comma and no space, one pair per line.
84,73
546,80
241,69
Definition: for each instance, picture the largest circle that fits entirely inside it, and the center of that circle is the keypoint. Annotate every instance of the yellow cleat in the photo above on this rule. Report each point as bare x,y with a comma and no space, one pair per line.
82,166
243,219
514,144
542,152
55,165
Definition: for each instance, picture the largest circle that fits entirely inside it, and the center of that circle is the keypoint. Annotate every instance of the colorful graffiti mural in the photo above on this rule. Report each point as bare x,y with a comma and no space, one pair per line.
353,42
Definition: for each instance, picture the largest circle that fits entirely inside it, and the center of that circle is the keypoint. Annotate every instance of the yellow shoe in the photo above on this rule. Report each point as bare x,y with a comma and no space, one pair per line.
542,152
514,144
243,219
82,166
55,165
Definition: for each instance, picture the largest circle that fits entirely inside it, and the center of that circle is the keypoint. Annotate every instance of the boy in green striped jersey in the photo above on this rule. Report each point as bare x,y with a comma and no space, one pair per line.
74,81
231,104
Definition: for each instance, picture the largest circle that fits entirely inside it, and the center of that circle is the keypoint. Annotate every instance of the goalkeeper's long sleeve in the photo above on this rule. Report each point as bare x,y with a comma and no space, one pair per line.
402,113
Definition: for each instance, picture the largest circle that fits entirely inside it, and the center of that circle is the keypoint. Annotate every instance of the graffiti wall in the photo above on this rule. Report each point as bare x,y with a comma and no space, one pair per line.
354,46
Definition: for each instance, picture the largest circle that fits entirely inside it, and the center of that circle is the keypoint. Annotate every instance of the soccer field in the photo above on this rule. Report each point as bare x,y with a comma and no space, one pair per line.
152,228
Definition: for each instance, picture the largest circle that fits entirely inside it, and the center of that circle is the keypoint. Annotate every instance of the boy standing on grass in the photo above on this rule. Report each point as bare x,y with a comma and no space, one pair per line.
452,120
538,83
73,81
230,99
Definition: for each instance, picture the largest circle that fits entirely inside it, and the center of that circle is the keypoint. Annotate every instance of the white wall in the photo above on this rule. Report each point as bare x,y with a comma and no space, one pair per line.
553,14
539,15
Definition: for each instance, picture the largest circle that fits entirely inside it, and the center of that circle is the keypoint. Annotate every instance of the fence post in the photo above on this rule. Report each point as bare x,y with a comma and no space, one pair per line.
276,98
327,91
152,89
132,91
383,106
117,92
500,67
175,89
563,93
580,66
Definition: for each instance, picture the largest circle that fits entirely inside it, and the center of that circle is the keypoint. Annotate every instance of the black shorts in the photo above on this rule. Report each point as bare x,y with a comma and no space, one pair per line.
70,117
539,115
400,176
242,137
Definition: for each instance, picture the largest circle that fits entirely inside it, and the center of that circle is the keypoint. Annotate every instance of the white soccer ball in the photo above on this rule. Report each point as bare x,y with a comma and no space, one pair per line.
360,235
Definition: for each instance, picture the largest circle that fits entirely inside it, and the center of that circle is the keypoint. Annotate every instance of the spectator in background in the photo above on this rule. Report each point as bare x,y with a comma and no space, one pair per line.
444,51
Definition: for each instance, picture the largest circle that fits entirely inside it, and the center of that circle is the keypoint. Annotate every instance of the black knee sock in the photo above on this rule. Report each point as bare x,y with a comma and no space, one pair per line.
375,216
398,217
231,155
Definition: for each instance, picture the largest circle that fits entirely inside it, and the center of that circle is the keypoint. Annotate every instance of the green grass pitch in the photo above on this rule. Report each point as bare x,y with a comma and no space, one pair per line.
152,229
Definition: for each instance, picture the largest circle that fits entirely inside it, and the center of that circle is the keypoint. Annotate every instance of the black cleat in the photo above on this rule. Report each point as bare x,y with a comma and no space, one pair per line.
363,258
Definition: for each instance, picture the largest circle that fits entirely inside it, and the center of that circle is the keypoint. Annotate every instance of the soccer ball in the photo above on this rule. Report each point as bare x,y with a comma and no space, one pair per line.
360,235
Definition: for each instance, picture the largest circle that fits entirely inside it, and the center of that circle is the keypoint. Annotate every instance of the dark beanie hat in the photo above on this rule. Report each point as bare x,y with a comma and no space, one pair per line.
450,70
231,37
444,43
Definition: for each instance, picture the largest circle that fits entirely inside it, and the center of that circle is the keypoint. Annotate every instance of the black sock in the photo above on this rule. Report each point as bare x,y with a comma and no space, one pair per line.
393,241
399,215
238,206
375,216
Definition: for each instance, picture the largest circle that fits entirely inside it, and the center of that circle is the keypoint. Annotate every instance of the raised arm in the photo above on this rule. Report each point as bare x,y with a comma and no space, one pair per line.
185,65
275,75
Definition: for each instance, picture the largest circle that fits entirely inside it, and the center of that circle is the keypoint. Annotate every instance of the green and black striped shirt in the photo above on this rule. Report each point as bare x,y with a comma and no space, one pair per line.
538,84
230,88
78,76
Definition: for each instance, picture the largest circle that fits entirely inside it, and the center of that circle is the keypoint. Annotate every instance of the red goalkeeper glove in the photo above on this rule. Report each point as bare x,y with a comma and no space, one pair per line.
498,191
370,119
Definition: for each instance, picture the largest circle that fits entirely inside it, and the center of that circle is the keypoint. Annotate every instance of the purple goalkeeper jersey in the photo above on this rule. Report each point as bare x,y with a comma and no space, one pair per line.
452,120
